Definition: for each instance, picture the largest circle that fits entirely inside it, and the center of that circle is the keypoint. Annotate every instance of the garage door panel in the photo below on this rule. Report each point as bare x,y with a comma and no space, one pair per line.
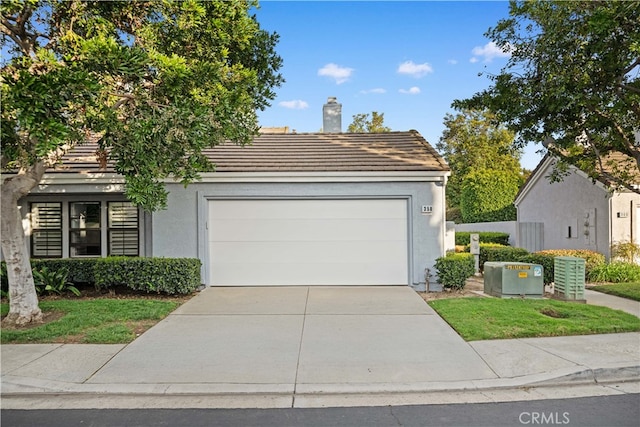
314,252
306,242
292,209
248,230
274,274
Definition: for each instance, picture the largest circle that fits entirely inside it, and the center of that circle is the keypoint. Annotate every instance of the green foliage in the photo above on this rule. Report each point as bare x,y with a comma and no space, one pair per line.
195,76
362,124
79,270
615,272
498,253
495,318
454,269
488,195
572,81
625,251
464,237
472,140
592,259
629,290
160,275
92,321
52,282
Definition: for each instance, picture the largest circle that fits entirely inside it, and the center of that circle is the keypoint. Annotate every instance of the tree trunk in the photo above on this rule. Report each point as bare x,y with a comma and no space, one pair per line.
23,300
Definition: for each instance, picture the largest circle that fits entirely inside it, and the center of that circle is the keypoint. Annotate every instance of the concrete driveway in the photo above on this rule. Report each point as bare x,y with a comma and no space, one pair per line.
298,340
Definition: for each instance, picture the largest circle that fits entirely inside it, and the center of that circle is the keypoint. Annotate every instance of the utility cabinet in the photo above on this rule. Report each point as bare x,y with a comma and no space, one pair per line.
568,278
513,280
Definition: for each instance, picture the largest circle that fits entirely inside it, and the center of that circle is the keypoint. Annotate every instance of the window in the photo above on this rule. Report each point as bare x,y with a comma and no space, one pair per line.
84,229
123,229
46,225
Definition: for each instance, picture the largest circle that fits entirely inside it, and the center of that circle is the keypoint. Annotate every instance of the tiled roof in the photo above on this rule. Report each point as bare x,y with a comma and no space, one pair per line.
303,152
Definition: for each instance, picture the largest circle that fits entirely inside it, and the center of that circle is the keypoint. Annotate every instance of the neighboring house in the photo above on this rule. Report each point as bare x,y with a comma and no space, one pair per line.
575,213
290,209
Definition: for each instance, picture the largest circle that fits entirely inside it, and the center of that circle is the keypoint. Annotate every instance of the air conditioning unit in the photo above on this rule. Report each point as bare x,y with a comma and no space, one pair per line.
568,277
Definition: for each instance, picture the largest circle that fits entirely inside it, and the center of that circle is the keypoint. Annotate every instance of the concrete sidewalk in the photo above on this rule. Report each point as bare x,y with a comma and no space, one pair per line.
312,347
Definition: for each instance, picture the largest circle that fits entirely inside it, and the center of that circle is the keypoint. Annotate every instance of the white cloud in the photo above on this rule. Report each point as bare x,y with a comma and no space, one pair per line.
375,90
296,104
473,60
452,61
336,72
411,91
415,70
489,51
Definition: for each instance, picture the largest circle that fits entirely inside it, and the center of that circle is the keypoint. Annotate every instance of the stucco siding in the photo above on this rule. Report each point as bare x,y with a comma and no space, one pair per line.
624,217
567,209
181,229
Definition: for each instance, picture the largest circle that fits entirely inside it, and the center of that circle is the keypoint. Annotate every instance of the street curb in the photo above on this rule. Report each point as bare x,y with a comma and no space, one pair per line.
33,393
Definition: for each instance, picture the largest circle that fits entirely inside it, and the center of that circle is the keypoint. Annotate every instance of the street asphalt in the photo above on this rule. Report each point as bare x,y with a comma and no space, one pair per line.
279,347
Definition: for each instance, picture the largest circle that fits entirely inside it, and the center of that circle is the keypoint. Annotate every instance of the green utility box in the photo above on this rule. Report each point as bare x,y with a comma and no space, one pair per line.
568,278
513,280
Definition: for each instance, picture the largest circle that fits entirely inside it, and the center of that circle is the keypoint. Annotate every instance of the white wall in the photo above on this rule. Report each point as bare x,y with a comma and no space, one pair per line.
567,210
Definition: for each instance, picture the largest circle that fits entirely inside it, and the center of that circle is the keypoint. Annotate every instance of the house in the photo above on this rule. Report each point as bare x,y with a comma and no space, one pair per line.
290,209
575,213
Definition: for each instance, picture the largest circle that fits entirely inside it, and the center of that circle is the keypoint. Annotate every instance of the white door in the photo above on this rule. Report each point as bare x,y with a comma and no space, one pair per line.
308,242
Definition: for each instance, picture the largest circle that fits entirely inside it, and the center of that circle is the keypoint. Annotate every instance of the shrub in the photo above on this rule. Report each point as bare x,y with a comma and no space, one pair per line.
167,275
625,251
464,237
487,195
547,263
79,270
454,269
592,259
52,282
615,272
500,253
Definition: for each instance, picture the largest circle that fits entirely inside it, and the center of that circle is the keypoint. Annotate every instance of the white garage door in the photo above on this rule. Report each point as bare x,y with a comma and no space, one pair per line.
308,242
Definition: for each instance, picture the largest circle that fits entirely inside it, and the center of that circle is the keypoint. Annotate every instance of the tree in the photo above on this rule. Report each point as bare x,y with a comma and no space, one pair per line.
362,124
488,195
154,82
471,141
572,82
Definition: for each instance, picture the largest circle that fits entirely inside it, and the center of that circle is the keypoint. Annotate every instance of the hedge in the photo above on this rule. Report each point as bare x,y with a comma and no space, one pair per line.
168,275
454,269
592,259
487,195
80,270
464,237
500,253
161,275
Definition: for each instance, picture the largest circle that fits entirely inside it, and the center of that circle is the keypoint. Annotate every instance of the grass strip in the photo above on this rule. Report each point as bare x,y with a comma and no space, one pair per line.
492,318
625,290
98,321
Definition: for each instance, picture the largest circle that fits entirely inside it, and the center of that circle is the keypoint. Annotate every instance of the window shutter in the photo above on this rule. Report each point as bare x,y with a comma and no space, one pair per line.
46,224
123,229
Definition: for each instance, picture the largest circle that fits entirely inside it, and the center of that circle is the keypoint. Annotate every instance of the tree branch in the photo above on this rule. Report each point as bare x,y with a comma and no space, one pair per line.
629,68
629,88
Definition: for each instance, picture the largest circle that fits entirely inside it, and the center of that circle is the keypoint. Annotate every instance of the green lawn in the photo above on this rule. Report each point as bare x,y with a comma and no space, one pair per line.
97,321
624,290
493,318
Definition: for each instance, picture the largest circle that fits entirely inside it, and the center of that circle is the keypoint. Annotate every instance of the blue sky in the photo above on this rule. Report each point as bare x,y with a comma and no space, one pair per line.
408,60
